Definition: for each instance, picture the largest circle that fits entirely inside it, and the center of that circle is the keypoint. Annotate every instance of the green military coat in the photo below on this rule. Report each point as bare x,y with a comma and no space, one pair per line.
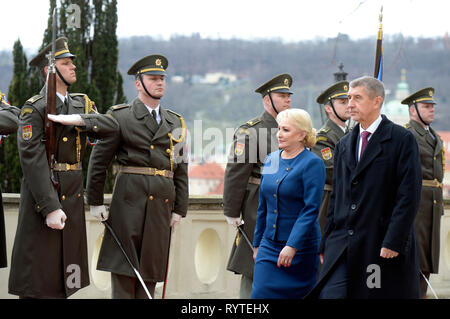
141,205
428,219
251,144
327,137
8,125
48,263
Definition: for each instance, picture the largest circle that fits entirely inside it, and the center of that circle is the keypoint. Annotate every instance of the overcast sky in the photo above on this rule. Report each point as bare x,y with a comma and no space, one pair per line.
289,20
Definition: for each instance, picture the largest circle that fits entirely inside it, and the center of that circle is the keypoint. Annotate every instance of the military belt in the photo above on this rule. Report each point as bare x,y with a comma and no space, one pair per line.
65,167
254,180
146,171
431,183
328,187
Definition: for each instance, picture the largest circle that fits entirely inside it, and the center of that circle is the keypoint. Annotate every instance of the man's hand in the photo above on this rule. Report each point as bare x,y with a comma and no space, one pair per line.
175,220
69,119
387,253
56,219
321,258
255,253
100,212
234,221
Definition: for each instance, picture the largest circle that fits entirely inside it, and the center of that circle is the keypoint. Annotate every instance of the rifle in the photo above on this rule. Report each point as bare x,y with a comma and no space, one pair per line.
49,126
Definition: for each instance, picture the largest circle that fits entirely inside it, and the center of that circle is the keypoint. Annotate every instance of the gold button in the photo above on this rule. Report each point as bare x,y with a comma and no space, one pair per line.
150,197
79,195
65,139
166,200
152,147
63,197
435,201
95,127
168,150
435,158
287,169
38,206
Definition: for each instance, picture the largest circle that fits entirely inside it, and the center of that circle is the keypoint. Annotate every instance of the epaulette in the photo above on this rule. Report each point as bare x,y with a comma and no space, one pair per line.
34,98
254,121
175,113
407,125
89,105
322,138
26,110
119,107
324,130
76,94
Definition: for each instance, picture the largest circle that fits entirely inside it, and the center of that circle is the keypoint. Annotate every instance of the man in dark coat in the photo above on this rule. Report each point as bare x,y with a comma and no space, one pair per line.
368,247
49,257
252,141
151,190
8,125
428,220
334,100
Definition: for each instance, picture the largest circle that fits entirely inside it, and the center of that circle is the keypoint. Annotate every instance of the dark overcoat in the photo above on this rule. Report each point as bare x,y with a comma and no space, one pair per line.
431,208
373,205
252,142
8,124
49,263
141,205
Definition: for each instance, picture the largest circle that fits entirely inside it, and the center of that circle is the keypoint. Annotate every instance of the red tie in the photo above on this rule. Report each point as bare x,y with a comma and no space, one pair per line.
365,136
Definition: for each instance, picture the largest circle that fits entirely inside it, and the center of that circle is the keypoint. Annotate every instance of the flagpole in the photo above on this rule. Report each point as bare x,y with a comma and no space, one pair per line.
378,71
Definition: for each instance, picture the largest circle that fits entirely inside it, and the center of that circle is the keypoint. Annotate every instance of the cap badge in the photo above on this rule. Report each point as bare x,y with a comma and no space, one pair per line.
430,93
286,82
158,62
345,88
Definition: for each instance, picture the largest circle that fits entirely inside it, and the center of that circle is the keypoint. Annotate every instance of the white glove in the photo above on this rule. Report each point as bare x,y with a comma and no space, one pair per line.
234,221
56,219
69,119
175,220
100,212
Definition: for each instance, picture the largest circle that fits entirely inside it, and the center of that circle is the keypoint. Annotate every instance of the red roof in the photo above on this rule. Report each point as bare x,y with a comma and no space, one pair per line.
209,170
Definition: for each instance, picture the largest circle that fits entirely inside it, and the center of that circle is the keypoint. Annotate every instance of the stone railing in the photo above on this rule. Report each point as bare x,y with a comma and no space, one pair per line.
199,253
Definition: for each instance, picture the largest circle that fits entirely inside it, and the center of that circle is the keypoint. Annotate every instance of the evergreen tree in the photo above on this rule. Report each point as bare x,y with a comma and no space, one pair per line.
18,93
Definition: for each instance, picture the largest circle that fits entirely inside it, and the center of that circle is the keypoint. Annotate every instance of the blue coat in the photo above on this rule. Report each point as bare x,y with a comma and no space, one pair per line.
289,202
373,205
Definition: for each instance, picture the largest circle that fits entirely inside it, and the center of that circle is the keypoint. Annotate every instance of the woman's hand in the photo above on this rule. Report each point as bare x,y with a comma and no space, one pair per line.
255,252
286,256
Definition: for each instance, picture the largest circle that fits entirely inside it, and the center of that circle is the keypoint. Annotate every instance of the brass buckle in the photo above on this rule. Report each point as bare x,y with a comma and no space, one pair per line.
67,167
160,172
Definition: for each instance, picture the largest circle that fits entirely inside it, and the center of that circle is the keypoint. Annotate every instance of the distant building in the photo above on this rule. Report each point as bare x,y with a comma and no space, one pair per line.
394,109
206,179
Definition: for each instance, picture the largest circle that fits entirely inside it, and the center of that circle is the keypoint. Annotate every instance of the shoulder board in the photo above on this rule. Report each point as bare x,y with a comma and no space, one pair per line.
26,110
34,98
119,107
76,94
322,138
175,113
324,130
407,125
254,121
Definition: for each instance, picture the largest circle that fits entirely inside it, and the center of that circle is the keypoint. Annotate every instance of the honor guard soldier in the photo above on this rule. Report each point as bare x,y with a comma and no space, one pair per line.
151,189
49,258
428,219
334,100
8,125
252,141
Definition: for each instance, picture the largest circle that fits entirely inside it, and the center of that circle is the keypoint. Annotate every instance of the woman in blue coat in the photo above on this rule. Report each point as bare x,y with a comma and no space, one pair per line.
287,233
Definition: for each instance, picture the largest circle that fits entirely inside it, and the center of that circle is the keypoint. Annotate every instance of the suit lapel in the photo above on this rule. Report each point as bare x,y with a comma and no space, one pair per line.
349,148
373,148
165,125
141,113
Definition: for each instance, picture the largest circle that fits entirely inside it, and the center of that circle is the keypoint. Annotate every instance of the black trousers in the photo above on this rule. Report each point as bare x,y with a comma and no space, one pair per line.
124,287
336,285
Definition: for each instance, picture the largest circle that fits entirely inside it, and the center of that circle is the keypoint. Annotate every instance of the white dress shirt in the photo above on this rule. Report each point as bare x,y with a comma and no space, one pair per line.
371,129
158,117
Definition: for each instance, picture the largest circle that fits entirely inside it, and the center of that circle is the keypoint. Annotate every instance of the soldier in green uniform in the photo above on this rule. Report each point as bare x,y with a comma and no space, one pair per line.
49,258
8,125
252,141
335,102
428,219
151,189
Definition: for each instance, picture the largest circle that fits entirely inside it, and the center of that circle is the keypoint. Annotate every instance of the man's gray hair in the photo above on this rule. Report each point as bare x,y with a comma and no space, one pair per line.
373,86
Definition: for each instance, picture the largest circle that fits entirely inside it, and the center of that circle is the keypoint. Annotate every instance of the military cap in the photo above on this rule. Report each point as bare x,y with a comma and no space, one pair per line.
61,51
338,90
425,95
155,64
281,84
